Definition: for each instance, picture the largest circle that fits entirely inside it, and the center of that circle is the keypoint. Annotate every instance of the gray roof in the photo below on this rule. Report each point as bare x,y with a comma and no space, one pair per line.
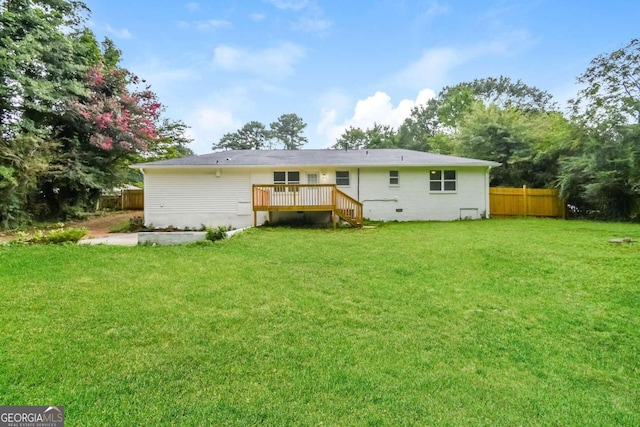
327,157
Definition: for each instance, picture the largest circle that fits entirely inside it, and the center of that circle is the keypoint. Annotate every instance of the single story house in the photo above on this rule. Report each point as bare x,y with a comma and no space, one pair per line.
250,187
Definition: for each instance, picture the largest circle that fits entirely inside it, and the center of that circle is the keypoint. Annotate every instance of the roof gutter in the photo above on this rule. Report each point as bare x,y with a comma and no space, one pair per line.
213,166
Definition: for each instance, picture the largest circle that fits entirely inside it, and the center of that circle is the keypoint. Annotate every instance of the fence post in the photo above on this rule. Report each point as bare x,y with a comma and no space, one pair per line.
524,194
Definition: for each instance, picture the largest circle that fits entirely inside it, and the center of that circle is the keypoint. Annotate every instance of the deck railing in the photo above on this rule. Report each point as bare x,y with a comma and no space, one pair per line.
307,197
348,208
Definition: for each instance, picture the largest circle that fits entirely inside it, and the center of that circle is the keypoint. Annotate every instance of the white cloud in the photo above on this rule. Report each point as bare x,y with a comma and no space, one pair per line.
208,124
227,57
275,62
257,17
289,4
159,72
433,67
436,9
206,25
211,24
377,108
311,16
192,7
121,34
312,25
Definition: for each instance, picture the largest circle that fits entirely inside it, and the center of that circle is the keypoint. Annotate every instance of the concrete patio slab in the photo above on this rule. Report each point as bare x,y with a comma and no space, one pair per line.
118,239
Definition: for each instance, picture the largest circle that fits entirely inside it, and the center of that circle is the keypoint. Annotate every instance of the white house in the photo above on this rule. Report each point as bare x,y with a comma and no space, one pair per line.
249,187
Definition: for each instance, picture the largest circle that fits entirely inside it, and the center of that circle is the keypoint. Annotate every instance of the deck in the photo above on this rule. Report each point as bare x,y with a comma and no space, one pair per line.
306,197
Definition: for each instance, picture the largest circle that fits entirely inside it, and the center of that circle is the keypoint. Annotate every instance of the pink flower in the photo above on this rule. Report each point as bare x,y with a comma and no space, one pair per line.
107,143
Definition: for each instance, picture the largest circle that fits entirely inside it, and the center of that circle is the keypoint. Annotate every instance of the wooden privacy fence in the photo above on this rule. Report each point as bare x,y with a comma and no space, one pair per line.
127,200
132,200
526,202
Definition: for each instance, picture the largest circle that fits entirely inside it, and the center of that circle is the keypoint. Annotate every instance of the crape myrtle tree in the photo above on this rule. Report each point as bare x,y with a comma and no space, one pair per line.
98,136
71,118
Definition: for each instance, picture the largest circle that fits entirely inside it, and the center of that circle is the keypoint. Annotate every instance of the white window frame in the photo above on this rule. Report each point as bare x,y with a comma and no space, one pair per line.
348,178
443,181
287,180
392,178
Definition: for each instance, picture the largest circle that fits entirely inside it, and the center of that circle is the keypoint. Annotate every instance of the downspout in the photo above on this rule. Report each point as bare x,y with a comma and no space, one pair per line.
358,188
144,196
487,196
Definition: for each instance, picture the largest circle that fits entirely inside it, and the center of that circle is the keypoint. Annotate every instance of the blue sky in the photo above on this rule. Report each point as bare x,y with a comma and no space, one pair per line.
219,64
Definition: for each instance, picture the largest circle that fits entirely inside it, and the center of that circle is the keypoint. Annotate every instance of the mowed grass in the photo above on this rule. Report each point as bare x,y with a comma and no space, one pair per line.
498,322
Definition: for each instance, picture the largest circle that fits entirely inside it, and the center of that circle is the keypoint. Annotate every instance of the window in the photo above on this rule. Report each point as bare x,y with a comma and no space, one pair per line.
442,180
312,178
281,177
394,178
342,177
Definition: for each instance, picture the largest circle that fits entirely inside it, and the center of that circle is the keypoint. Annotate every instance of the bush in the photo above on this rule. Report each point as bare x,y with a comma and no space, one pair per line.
218,233
62,235
58,235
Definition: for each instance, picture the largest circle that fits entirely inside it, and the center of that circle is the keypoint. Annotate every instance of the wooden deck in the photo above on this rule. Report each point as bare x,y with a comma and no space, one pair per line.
306,197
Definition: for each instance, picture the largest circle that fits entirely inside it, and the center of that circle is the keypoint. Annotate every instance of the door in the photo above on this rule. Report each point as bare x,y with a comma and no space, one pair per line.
312,178
314,193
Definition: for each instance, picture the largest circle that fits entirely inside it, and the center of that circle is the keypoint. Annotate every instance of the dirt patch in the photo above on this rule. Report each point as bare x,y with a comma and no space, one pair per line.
98,226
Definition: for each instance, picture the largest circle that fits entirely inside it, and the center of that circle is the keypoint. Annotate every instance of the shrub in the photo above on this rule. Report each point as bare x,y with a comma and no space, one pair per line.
62,235
218,233
136,224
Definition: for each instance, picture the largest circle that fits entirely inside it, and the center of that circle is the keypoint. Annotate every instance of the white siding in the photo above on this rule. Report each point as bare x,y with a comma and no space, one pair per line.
411,200
412,196
192,198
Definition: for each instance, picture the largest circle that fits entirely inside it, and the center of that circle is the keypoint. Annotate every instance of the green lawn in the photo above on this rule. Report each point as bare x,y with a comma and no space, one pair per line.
498,322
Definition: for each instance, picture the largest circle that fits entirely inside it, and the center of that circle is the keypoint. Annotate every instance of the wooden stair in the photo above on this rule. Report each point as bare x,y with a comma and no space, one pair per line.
347,208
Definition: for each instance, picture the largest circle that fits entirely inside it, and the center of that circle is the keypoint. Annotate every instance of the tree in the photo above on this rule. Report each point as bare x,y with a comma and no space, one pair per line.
288,130
252,136
351,139
504,93
171,141
611,95
602,178
423,130
229,141
71,119
527,144
39,73
381,136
